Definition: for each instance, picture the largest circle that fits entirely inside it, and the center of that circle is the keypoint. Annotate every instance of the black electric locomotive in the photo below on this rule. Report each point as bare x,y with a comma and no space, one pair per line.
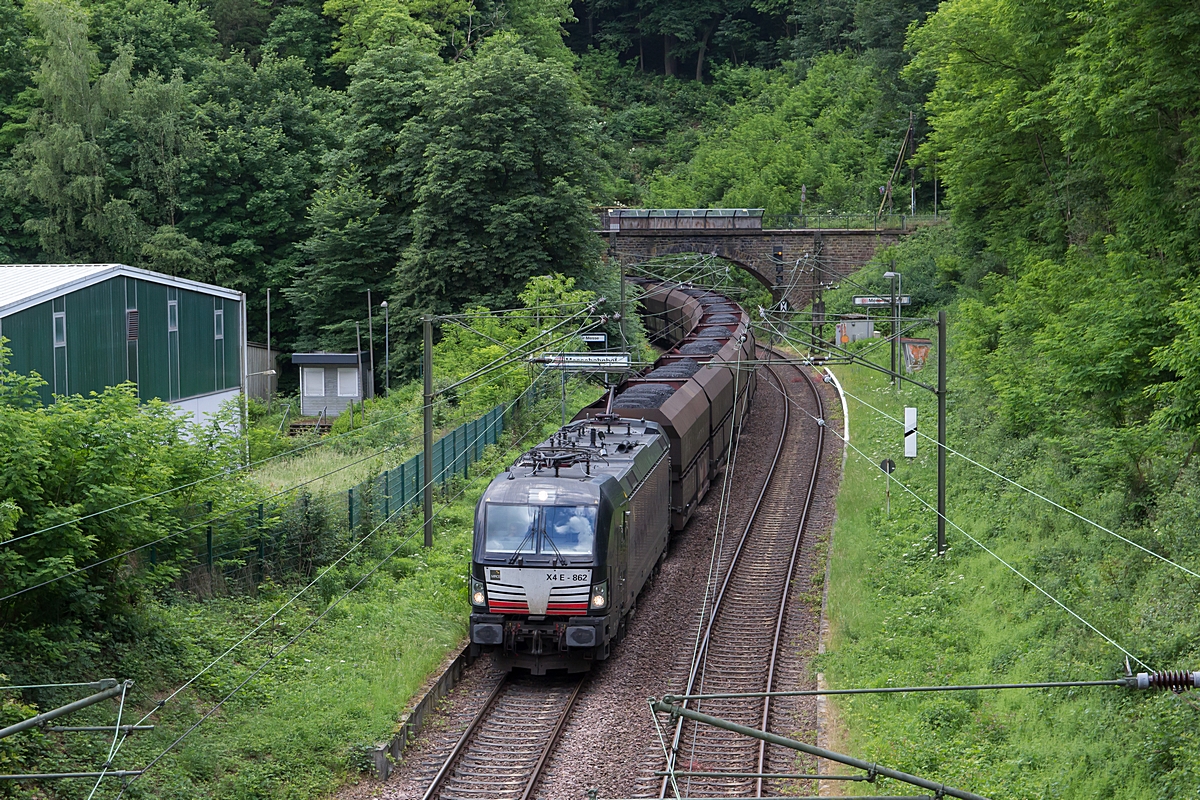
565,540
567,537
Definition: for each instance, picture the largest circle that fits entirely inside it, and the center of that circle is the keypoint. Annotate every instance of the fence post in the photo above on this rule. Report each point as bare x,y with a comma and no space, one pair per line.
350,496
441,475
403,484
387,496
262,552
208,538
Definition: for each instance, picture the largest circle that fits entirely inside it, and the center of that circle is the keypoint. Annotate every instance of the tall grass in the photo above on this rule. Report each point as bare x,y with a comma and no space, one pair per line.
308,722
902,616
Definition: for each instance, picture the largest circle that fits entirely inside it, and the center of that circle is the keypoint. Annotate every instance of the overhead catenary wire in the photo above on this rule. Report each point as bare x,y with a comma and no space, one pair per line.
357,544
663,744
716,559
307,628
1127,682
516,353
224,473
981,545
1017,484
1033,492
203,523
511,313
112,748
210,520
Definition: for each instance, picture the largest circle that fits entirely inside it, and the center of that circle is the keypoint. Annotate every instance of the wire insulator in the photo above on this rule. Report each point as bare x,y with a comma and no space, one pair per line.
1176,680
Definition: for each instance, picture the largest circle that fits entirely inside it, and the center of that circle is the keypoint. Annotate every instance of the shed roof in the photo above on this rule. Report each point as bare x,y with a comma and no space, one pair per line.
320,359
25,285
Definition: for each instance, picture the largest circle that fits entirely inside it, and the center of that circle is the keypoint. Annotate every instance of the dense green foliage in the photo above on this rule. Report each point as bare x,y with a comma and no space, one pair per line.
137,615
64,462
308,721
901,616
441,153
1066,138
828,129
318,151
436,153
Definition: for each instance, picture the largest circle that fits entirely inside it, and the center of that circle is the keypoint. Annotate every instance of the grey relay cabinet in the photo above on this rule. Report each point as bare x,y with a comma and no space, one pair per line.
330,382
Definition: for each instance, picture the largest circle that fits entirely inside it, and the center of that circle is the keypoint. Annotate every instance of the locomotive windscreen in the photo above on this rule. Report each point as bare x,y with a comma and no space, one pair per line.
544,530
572,529
510,528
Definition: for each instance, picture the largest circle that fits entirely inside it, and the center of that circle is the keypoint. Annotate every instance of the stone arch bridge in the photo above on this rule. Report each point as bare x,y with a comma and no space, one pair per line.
792,261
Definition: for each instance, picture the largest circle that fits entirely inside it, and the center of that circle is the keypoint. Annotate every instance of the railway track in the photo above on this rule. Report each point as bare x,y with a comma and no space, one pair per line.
742,633
501,753
503,749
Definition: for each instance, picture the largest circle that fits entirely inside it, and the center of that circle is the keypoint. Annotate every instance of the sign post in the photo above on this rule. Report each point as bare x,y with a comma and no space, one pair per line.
888,466
941,398
582,362
585,362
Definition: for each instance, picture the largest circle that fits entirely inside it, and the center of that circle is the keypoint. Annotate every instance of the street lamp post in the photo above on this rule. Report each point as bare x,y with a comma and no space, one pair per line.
387,350
895,276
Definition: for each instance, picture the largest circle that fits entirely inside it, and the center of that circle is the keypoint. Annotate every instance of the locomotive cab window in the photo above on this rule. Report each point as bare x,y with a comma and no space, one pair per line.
510,528
549,531
572,529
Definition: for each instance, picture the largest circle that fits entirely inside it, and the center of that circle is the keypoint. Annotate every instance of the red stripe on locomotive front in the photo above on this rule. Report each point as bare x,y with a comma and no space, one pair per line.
498,605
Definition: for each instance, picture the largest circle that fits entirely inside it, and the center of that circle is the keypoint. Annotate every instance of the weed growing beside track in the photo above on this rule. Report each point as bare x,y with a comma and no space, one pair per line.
307,723
901,616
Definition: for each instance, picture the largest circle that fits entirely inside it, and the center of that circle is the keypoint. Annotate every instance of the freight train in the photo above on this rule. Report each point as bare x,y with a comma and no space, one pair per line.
567,536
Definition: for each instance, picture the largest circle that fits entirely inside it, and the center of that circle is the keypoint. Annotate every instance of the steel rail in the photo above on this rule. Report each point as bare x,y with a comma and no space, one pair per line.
787,584
461,747
716,607
553,740
461,744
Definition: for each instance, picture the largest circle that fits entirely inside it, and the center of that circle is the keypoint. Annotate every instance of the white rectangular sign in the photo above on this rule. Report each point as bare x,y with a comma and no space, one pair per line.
594,338
611,362
910,433
861,300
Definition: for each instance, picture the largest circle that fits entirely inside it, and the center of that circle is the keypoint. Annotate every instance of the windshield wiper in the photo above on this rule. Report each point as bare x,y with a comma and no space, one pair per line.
558,556
517,553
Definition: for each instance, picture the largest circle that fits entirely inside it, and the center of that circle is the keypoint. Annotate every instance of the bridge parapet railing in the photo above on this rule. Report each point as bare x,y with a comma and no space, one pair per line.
635,219
873,222
677,219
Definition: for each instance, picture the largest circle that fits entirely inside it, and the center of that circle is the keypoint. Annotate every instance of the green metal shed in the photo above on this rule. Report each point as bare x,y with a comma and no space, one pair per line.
85,327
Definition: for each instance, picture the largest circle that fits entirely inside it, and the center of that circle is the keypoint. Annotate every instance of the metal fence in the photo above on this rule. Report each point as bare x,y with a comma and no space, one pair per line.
872,222
297,536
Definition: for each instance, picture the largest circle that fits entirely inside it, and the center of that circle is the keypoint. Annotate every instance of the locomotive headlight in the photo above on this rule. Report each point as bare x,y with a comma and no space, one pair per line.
600,595
478,593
